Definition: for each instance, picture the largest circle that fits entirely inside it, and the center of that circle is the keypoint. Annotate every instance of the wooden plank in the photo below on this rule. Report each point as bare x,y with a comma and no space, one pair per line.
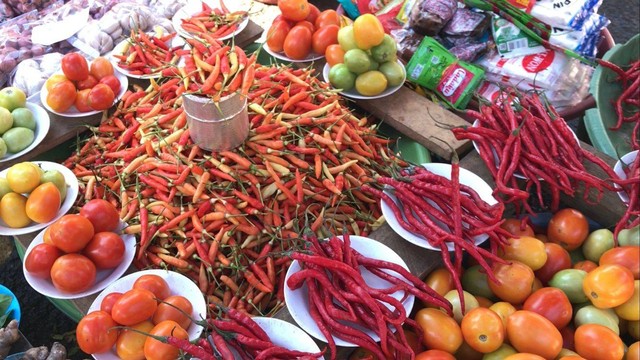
417,117
249,35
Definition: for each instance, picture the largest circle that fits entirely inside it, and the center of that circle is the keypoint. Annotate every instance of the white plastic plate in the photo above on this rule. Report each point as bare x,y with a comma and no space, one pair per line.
287,335
626,160
297,300
118,49
72,193
466,178
354,94
195,7
179,285
281,56
42,128
73,112
103,277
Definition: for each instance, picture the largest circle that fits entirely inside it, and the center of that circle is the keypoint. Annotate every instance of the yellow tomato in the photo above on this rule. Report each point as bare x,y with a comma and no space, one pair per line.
54,79
528,250
504,310
608,286
634,351
13,210
440,331
130,344
367,31
23,177
630,310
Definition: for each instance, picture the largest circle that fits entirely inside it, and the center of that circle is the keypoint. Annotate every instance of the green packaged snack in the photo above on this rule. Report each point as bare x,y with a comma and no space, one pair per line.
435,68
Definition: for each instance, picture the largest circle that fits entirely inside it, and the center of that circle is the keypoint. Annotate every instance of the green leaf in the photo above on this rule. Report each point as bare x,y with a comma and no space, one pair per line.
5,301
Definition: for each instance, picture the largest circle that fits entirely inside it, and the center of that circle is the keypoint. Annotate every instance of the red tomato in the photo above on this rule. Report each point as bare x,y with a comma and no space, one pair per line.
313,14
74,66
106,250
529,332
297,44
586,265
73,273
295,10
483,330
62,96
102,214
627,256
82,101
87,83
334,54
569,228
597,342
277,34
553,304
96,332
306,24
174,308
568,338
608,286
362,354
112,82
134,306
101,67
327,17
40,260
101,97
107,302
155,350
517,227
325,36
155,284
557,259
43,203
434,355
71,233
515,282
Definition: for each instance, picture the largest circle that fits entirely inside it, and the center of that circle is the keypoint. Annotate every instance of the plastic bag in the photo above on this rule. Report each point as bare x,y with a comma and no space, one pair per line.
15,43
565,14
428,17
407,42
466,22
31,74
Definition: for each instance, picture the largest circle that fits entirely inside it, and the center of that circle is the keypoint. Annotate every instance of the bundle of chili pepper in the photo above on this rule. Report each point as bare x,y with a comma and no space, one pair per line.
629,101
520,134
214,69
426,199
631,186
148,55
213,23
339,297
227,219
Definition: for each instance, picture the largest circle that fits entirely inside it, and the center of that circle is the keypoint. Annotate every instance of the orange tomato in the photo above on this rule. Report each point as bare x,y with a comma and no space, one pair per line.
327,17
526,249
130,343
61,96
101,97
297,44
156,350
597,342
440,280
608,286
82,101
532,333
504,310
557,259
306,24
367,31
134,306
517,227
483,330
324,37
276,35
71,233
627,256
154,283
74,66
483,301
569,228
516,280
87,83
440,331
572,357
585,265
434,355
176,308
634,351
334,54
295,10
524,356
95,332
553,304
43,203
54,79
101,67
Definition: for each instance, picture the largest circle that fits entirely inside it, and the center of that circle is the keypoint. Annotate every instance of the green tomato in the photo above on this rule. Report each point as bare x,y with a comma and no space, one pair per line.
597,243
357,61
18,138
374,65
4,187
341,78
55,177
592,315
6,120
394,72
475,282
470,303
23,117
386,51
3,148
570,282
503,351
629,237
346,39
12,98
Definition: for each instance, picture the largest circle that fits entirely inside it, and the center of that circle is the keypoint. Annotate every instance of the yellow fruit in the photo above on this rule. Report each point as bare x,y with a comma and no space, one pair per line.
371,83
24,177
13,210
368,31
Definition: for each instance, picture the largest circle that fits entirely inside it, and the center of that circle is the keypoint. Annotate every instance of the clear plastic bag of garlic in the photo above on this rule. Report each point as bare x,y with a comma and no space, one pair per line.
31,74
15,43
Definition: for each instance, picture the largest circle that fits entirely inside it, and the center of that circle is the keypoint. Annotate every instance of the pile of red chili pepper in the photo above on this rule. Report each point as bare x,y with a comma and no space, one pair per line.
519,134
631,186
227,220
338,295
213,23
143,54
426,199
629,101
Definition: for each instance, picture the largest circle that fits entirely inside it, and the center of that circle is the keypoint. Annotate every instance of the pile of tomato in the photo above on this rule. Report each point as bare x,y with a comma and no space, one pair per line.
565,293
302,29
87,87
147,308
76,246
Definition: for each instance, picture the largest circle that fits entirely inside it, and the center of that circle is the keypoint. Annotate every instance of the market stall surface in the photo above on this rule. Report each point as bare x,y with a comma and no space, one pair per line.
42,323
